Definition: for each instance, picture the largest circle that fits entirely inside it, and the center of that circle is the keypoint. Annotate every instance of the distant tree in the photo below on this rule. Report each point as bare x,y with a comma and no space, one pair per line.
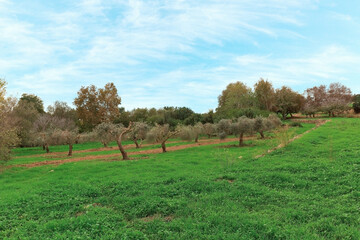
190,133
182,113
315,99
35,100
160,134
243,126
209,129
47,128
138,133
193,119
265,94
94,105
8,131
208,117
288,101
356,104
25,114
62,110
223,128
235,96
338,99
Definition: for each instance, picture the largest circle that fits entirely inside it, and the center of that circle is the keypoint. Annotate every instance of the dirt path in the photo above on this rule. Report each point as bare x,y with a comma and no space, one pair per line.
104,149
150,151
318,123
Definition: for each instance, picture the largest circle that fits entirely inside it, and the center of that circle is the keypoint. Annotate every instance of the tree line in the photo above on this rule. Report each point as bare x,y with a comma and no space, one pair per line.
97,116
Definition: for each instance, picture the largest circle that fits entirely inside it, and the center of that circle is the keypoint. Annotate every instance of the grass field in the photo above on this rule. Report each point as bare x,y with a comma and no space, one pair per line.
307,190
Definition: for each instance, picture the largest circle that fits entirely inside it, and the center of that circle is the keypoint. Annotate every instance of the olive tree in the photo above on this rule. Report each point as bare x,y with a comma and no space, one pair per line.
209,129
223,128
67,136
138,133
241,127
262,124
190,133
104,133
160,134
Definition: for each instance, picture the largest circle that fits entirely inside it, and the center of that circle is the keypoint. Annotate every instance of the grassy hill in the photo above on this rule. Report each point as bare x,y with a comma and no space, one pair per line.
307,190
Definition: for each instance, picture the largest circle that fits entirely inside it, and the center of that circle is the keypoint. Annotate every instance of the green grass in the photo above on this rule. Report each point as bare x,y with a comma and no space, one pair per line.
307,190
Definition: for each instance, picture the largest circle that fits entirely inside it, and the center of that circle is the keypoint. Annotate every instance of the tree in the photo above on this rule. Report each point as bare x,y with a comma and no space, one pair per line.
25,114
243,126
265,94
52,130
62,110
356,104
94,106
8,132
138,133
35,100
338,99
190,133
287,101
262,125
160,134
223,128
209,129
104,133
235,96
119,132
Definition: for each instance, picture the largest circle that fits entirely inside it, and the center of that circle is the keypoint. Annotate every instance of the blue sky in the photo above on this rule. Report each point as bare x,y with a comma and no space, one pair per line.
176,52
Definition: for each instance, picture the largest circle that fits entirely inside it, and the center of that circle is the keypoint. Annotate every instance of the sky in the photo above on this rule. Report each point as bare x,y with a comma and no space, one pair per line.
176,52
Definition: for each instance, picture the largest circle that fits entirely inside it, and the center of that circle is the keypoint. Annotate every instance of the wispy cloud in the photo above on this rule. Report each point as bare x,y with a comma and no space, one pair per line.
160,52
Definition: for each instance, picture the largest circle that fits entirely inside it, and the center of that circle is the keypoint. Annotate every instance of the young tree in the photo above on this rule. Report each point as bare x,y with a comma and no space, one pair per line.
262,125
243,126
160,134
138,133
265,94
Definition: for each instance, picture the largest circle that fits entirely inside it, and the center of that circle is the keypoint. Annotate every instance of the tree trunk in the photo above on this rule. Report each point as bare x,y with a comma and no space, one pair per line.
197,138
70,150
105,145
163,146
43,147
284,116
262,134
119,143
209,136
136,143
122,150
241,139
47,148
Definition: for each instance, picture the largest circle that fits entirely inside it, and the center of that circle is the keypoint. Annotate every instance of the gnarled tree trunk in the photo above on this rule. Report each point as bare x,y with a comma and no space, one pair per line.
47,148
262,134
136,143
119,142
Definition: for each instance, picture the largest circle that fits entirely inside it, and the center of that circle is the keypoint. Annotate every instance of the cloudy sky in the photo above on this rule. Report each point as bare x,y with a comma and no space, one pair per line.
176,52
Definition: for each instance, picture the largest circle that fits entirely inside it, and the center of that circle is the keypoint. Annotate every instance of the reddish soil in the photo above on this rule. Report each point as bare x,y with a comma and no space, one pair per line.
151,151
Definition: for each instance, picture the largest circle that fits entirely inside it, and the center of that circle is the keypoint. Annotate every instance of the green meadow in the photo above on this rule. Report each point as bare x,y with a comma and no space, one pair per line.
306,190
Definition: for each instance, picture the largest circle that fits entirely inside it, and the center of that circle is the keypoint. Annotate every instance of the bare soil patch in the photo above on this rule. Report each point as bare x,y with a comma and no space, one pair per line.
150,151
